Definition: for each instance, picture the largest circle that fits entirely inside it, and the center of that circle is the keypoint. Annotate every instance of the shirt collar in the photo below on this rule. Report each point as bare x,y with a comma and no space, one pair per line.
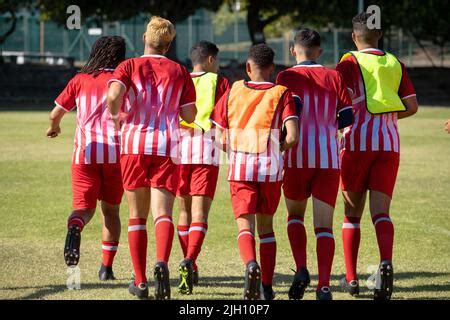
371,49
152,56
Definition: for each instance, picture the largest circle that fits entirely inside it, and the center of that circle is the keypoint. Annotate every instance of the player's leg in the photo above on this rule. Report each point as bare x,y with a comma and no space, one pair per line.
267,252
323,228
203,182
325,188
268,201
110,239
247,250
162,206
197,232
297,190
134,170
184,205
184,221
355,168
381,184
244,197
354,203
139,206
164,178
85,189
110,195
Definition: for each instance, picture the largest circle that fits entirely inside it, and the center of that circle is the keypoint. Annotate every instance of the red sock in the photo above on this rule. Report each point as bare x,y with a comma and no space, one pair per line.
183,237
247,246
325,255
76,221
197,233
351,237
385,235
297,238
164,237
109,250
137,240
267,254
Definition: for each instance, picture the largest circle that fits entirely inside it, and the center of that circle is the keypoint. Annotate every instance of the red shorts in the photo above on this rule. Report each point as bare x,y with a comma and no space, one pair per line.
300,183
255,197
92,182
197,180
369,170
148,171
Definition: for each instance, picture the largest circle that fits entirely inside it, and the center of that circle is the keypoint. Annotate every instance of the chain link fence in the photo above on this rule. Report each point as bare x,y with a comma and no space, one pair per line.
35,37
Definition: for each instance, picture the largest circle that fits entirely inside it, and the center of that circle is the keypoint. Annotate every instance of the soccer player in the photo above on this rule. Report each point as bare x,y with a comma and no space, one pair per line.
312,165
382,93
447,126
95,163
159,92
199,167
252,113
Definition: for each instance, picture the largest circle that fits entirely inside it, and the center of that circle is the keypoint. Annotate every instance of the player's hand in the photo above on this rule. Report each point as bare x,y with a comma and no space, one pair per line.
53,132
447,126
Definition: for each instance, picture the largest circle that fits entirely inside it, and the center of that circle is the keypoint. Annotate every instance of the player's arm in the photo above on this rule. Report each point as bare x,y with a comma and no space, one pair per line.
65,102
411,105
345,108
188,112
219,119
116,92
408,95
55,118
290,116
447,126
292,134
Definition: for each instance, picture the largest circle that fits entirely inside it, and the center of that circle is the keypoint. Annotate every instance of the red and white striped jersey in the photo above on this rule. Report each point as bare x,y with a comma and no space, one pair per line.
370,132
198,147
96,140
261,167
157,88
323,94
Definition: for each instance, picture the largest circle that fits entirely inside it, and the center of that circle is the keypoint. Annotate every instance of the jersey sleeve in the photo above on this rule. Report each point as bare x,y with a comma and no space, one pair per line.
406,89
223,85
288,107
348,68
66,99
219,113
188,95
122,74
343,95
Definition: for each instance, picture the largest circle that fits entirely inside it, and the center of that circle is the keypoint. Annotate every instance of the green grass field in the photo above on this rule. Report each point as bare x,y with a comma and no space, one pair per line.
35,200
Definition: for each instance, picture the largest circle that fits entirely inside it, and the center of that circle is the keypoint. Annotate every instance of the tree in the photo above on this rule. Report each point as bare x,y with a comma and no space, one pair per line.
11,7
105,10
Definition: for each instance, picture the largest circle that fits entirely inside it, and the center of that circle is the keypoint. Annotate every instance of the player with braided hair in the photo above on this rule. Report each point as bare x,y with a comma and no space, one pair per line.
95,165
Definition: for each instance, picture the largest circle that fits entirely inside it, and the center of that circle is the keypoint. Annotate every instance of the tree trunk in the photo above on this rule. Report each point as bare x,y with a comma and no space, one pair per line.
11,29
254,23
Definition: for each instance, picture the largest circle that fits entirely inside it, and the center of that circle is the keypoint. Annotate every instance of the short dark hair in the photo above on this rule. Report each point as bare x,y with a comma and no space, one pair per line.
307,38
361,29
262,55
202,50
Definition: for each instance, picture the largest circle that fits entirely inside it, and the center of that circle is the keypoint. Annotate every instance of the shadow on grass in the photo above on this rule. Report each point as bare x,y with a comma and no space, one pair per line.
235,282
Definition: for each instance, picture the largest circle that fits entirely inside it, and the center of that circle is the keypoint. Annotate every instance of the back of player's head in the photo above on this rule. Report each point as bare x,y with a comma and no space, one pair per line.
202,50
107,52
361,28
307,38
160,33
261,55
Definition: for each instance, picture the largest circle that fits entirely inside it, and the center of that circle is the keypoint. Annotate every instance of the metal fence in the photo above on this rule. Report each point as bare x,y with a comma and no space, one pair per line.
32,36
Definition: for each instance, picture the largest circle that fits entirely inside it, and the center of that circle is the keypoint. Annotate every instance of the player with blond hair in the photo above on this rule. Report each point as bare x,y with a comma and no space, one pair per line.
159,91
